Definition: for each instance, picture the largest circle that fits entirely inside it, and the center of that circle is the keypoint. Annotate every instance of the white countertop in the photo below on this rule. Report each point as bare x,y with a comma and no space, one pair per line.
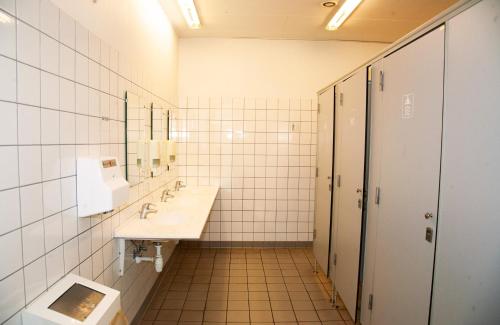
181,217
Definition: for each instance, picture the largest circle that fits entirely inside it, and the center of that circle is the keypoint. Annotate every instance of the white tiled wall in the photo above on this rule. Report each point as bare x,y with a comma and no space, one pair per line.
262,153
61,97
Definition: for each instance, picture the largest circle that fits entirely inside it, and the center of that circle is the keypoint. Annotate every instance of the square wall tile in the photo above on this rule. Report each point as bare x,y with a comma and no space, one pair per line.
30,163
67,62
8,36
50,126
12,292
35,246
9,176
35,279
7,79
8,123
28,85
53,231
55,265
67,30
29,12
12,259
82,40
49,56
31,203
49,91
49,18
51,197
51,162
28,44
9,210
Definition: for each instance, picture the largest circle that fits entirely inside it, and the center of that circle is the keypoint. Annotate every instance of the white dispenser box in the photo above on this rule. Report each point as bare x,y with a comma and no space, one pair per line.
100,185
74,300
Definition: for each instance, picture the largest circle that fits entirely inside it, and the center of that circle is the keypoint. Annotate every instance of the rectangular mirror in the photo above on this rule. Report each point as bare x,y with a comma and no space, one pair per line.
138,119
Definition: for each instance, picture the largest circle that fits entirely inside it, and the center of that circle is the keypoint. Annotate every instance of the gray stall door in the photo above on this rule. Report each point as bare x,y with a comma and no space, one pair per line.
349,172
467,279
324,162
411,105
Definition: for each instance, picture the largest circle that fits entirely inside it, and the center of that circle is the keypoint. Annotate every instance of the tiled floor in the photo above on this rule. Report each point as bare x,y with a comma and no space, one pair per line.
242,285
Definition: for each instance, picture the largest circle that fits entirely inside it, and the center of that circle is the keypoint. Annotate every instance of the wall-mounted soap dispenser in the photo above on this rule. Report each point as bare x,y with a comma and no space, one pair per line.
100,185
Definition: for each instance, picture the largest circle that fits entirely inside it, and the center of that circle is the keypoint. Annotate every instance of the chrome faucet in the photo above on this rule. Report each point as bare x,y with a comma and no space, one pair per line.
147,208
179,185
166,195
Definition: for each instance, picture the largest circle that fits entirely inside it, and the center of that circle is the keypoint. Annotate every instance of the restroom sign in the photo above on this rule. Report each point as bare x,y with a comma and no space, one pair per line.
407,108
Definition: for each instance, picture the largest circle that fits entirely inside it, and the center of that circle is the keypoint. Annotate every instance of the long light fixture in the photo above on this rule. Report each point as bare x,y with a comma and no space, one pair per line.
190,14
342,14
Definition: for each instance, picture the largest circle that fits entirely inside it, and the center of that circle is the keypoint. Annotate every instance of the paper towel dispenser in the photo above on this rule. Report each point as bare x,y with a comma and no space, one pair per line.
100,185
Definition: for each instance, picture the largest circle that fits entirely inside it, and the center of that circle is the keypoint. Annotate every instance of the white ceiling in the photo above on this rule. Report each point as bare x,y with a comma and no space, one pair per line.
373,20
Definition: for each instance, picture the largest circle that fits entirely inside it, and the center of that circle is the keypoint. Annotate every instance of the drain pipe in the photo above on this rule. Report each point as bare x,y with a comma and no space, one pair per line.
157,259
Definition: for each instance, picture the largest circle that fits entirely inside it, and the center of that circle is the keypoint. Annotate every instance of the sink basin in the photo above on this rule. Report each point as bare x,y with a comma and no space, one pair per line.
181,217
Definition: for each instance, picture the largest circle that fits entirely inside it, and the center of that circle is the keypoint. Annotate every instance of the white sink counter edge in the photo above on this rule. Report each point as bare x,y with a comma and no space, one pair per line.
196,217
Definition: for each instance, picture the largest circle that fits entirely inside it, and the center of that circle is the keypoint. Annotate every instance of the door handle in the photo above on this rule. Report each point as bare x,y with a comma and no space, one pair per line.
428,215
358,190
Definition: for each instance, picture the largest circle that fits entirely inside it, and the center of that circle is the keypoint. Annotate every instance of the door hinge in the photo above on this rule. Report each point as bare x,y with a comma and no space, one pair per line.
377,195
381,80
334,259
341,99
338,180
316,171
318,107
314,234
370,302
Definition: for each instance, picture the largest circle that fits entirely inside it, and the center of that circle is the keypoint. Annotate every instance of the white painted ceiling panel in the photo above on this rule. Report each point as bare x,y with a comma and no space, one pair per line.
373,20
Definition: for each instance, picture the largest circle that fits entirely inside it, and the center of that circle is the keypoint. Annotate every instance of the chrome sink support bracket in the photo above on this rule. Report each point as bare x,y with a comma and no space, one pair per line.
121,256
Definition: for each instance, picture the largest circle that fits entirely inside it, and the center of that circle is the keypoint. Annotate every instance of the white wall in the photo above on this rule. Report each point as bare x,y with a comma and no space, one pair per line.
248,124
61,97
265,68
140,31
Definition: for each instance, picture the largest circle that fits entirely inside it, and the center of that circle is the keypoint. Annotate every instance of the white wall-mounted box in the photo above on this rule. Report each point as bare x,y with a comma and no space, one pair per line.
100,185
74,300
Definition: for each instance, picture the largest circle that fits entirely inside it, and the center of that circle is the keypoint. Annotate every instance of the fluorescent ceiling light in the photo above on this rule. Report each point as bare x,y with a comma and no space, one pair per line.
190,14
342,14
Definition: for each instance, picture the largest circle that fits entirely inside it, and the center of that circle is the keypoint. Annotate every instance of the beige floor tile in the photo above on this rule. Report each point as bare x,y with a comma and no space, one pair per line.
283,316
237,295
261,316
299,295
150,314
259,305
194,305
216,305
237,305
302,305
306,316
257,287
214,316
274,279
199,287
238,279
255,272
219,279
292,279
217,295
238,287
256,279
238,272
219,287
322,304
238,316
166,314
172,304
191,316
326,315
278,295
258,295
276,287
295,287
281,305
334,322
